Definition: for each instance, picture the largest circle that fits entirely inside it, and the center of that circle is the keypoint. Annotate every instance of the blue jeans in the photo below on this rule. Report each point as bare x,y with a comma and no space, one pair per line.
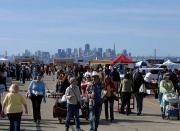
94,116
72,110
15,121
139,101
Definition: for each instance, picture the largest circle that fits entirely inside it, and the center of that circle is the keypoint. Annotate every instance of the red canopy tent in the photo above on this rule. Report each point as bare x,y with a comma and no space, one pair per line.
121,59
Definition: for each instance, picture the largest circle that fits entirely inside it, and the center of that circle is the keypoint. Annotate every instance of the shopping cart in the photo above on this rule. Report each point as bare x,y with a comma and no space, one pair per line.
171,105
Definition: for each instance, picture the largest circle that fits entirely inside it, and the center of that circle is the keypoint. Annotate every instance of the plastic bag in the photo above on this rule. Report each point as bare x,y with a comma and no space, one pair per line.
142,89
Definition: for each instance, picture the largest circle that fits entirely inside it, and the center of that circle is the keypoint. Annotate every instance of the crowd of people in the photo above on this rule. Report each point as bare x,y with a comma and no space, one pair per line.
83,87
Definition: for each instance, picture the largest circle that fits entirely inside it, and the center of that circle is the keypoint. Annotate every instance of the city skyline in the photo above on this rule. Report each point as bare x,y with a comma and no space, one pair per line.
55,50
138,26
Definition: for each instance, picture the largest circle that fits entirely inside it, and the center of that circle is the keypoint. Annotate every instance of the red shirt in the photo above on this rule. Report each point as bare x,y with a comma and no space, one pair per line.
83,88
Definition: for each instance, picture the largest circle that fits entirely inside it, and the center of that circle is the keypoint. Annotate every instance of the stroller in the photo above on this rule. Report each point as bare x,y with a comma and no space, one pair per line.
171,105
60,110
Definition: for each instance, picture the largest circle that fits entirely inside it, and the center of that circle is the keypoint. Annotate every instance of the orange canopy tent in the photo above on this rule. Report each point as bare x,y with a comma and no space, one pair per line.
121,59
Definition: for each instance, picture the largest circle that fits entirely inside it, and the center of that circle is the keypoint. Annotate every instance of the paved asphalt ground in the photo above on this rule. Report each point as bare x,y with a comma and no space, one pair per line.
149,121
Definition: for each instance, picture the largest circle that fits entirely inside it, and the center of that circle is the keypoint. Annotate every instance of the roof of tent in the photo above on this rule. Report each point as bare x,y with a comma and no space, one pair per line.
171,65
121,59
168,62
142,63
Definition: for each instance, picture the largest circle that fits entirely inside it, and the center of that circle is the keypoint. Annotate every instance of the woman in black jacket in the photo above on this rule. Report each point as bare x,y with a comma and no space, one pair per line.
138,80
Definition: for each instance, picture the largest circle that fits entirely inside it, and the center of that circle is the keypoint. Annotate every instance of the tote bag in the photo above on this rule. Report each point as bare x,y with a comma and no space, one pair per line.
142,89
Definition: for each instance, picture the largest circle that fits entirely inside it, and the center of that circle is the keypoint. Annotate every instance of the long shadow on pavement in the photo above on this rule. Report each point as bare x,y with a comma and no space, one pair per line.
44,124
140,121
148,114
2,129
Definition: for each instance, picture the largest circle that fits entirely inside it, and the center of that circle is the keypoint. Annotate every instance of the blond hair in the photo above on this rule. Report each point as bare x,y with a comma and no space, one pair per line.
14,88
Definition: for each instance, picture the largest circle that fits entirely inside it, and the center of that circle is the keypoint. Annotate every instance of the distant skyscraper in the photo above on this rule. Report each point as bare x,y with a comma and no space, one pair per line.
5,54
87,47
63,54
100,53
68,52
80,52
45,57
75,53
114,49
38,53
155,53
59,52
124,52
107,53
27,53
87,50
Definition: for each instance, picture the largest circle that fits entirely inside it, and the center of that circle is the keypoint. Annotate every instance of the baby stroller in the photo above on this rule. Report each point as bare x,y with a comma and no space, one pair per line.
171,105
60,110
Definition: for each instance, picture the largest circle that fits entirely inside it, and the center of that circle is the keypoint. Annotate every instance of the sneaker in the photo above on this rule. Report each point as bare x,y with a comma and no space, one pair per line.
66,129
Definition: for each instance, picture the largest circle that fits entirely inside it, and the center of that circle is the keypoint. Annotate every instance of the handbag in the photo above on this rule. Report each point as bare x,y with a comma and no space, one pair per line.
142,89
103,93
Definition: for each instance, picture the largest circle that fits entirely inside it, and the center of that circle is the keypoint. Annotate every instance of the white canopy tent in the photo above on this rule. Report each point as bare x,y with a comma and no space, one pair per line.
142,64
171,65
168,62
3,60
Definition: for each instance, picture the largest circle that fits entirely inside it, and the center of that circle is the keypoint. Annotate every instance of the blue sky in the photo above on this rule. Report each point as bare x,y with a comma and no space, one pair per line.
140,26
